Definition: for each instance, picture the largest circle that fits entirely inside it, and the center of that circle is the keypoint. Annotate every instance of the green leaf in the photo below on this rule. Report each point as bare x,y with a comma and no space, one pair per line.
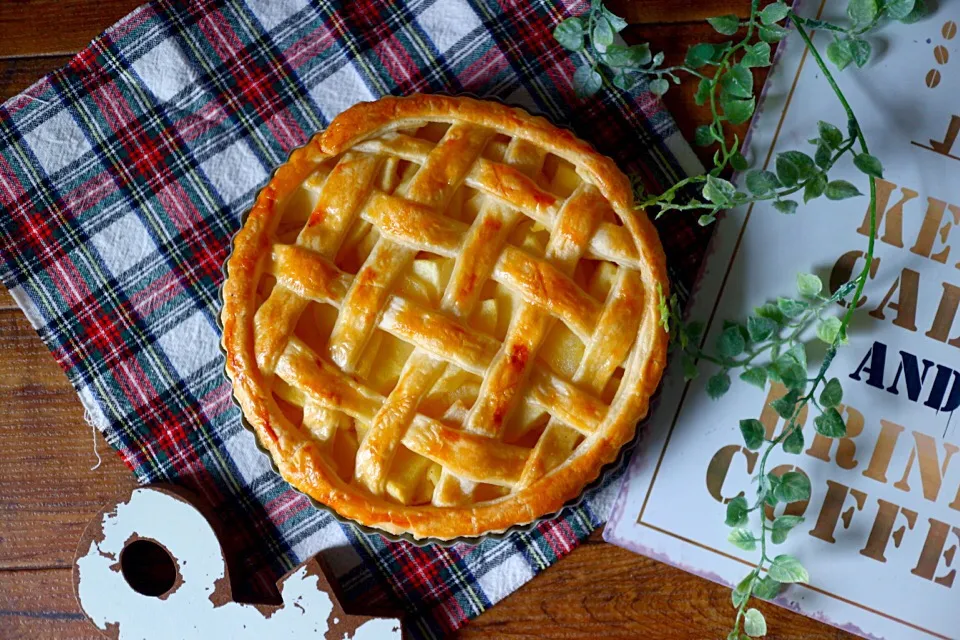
738,162
796,353
869,164
640,54
602,34
839,53
727,25
703,136
618,23
659,86
741,592
899,9
737,82
787,569
841,190
718,384
823,155
706,220
703,92
768,484
692,331
766,588
658,59
770,310
690,371
785,206
785,404
737,111
727,324
798,164
627,57
622,81
774,13
772,33
791,308
762,182
832,393
830,424
793,443
757,55
569,34
737,512
829,329
754,623
920,11
760,328
830,134
814,187
742,539
718,190
753,433
787,171
587,81
793,376
756,376
860,49
699,55
793,487
809,285
730,343
782,526
863,12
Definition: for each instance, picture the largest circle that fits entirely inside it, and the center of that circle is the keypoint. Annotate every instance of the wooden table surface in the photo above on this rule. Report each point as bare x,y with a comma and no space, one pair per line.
48,491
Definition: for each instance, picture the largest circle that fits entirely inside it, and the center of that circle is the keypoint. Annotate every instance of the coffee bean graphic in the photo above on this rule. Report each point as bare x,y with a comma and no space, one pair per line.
949,30
933,78
941,54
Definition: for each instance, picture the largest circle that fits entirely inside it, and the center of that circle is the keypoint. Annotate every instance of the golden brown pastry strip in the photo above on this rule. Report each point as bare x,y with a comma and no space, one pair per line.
433,185
615,335
481,248
550,291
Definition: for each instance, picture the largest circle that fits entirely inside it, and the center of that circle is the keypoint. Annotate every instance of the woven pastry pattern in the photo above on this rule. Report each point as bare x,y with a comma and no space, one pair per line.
404,195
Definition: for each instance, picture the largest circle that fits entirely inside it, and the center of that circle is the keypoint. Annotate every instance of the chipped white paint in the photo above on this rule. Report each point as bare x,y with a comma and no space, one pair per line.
189,610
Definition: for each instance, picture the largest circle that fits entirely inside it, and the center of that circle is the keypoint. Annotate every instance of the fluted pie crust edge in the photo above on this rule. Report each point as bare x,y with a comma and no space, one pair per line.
293,450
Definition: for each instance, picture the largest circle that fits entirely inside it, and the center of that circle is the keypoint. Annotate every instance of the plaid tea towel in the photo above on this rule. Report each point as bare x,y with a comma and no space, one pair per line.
124,176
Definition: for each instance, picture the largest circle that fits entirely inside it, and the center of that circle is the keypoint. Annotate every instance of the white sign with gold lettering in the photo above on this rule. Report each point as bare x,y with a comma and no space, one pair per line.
881,530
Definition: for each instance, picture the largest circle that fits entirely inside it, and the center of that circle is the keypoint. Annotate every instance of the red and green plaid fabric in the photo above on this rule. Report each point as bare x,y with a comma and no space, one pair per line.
124,175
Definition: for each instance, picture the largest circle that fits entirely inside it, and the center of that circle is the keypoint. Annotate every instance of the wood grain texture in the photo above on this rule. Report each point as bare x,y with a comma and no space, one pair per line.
6,300
16,74
51,27
41,604
667,11
602,591
48,493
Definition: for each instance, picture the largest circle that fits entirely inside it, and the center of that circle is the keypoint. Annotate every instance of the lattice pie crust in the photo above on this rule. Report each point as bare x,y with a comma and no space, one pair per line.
440,316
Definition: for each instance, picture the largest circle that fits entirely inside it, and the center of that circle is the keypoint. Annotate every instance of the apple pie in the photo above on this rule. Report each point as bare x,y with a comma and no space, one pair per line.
441,316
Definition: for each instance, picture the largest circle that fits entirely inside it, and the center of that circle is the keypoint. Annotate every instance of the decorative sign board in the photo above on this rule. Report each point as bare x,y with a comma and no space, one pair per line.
188,594
881,531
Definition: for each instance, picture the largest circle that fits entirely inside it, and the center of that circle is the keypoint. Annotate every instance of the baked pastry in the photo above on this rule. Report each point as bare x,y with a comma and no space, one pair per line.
441,316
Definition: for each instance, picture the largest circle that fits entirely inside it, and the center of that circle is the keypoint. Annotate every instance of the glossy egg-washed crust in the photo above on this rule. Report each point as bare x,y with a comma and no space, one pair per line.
297,457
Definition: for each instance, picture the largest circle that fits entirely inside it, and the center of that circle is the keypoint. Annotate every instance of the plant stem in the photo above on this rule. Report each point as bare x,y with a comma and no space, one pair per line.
794,423
852,118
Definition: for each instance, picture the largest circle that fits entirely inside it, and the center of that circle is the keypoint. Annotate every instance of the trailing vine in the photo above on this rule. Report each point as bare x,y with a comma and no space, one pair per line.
768,346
